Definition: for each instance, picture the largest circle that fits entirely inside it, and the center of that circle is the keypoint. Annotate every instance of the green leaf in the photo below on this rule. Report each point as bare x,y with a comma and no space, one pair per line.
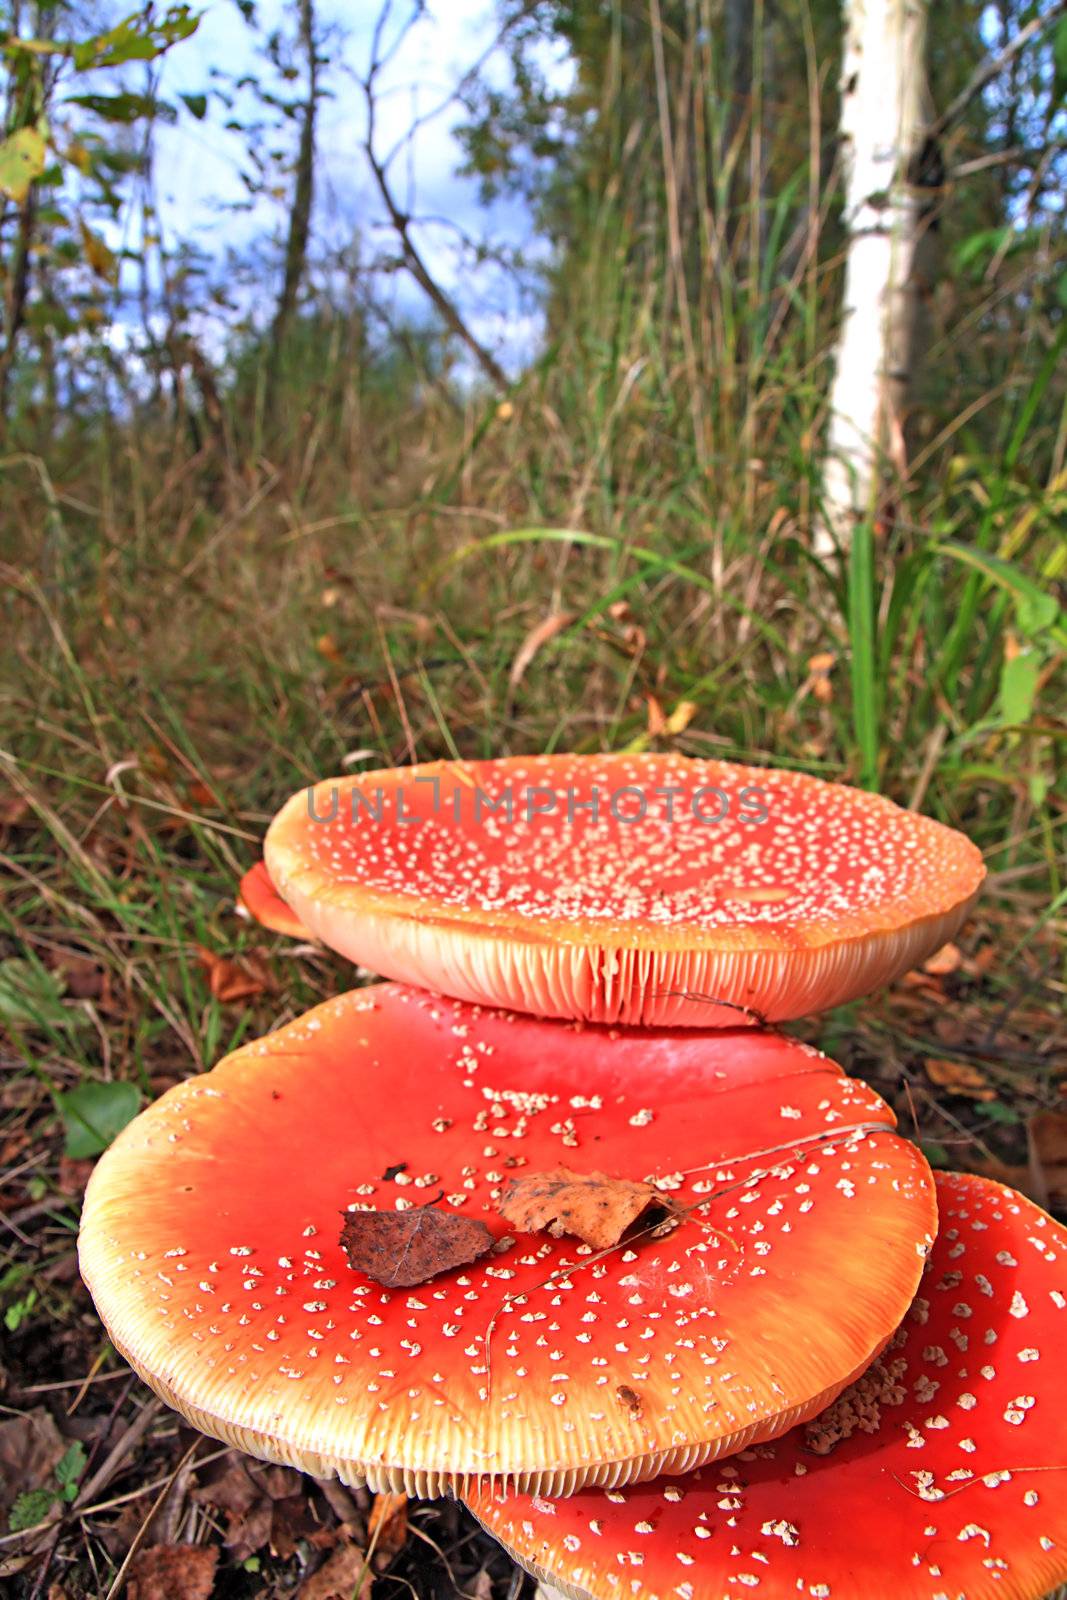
1018,686
19,1311
135,39
997,1111
1036,610
70,1469
197,104
32,997
29,1509
22,159
94,1113
125,107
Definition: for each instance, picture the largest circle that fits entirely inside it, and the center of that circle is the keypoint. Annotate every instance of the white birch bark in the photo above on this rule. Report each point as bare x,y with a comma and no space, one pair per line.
883,96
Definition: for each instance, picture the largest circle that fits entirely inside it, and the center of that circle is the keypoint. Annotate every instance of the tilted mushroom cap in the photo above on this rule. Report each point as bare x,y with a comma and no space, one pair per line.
692,882
210,1243
946,1477
258,898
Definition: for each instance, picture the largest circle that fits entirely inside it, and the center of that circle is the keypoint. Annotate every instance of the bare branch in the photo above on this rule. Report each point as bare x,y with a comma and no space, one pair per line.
401,222
990,69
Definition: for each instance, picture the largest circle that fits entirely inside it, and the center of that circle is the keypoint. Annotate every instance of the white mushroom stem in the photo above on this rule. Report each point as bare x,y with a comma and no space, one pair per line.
545,1591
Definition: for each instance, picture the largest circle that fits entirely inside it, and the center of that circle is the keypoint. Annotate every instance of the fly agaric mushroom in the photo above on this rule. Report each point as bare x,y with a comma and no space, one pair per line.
939,1475
259,899
639,889
209,1240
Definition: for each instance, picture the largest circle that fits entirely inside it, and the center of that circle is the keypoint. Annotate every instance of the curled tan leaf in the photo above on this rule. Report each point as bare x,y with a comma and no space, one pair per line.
593,1207
537,637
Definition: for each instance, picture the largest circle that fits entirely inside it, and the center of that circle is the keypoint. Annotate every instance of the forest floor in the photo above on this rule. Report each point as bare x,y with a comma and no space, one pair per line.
177,670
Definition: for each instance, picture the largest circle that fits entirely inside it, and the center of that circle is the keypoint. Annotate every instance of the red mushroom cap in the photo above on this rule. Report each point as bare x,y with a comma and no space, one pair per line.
946,1477
695,882
210,1242
260,900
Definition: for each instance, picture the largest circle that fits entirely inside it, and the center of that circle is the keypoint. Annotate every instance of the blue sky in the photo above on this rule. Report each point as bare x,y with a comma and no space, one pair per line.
199,163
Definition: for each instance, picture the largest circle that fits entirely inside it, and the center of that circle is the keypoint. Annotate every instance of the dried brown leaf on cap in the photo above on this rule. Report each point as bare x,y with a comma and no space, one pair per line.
403,1248
593,1207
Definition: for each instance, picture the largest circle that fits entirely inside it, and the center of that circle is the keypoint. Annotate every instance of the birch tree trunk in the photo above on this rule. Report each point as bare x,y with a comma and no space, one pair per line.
883,97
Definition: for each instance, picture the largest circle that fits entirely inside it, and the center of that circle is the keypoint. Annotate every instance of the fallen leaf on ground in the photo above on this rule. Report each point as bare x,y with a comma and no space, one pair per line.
346,1574
30,1448
820,666
85,979
681,717
595,1208
958,1077
1047,1131
538,636
257,1501
13,810
387,1528
942,962
73,1175
403,1248
230,980
173,1572
329,649
201,797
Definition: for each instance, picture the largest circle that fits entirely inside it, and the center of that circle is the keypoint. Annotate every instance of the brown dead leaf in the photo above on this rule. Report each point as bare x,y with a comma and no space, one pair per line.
820,667
1047,1132
30,1446
291,1521
329,649
403,1248
537,637
387,1527
590,1205
73,1175
84,979
948,959
14,809
173,1572
681,717
657,719
200,797
230,979
264,1505
249,1514
346,1574
958,1077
